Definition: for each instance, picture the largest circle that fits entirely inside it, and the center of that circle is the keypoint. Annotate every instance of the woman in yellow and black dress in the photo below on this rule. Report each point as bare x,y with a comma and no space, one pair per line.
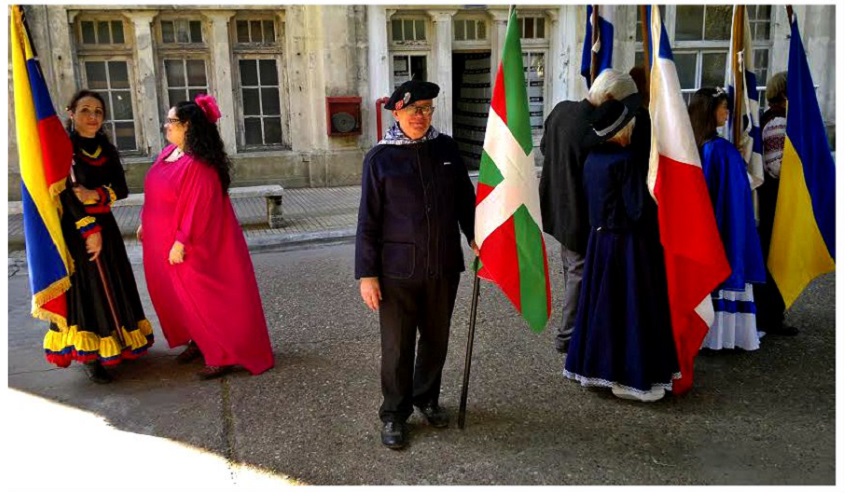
91,232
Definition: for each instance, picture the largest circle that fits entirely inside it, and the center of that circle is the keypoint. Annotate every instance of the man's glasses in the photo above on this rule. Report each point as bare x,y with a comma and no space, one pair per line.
419,110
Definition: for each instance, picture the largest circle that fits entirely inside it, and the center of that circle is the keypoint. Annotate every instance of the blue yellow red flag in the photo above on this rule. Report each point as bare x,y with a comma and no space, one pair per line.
44,157
802,245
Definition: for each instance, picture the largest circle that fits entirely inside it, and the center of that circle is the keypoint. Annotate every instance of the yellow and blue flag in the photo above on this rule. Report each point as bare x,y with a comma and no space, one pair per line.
802,246
44,155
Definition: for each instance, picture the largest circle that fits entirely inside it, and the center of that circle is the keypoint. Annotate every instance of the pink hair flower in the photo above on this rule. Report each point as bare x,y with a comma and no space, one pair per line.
209,106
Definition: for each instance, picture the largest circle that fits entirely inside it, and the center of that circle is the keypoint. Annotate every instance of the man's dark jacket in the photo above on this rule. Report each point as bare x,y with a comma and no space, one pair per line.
567,138
562,201
413,199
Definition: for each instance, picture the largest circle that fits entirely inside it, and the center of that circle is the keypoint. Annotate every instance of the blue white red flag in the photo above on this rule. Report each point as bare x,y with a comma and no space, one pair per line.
693,252
603,42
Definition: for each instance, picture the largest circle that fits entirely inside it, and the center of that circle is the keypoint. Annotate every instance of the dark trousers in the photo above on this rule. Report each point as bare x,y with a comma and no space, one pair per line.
409,378
770,307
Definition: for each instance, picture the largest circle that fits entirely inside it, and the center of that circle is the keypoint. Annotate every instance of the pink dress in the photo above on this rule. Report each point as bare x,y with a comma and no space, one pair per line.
212,297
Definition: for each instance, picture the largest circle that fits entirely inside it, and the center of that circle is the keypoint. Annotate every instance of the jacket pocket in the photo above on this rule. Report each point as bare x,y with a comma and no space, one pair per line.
398,260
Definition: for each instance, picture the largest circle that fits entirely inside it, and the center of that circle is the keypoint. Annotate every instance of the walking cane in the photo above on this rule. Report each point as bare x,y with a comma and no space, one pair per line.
473,311
107,289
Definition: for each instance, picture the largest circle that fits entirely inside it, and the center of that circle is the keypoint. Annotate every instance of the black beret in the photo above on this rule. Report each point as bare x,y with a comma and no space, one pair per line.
412,91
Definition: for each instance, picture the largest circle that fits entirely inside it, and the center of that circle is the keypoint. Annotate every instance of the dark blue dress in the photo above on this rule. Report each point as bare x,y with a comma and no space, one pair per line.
623,336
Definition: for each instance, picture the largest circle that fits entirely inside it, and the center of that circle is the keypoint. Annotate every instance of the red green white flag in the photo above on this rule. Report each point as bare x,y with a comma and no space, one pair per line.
507,213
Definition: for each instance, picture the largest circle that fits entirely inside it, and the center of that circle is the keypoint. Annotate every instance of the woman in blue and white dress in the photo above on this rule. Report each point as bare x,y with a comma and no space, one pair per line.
729,187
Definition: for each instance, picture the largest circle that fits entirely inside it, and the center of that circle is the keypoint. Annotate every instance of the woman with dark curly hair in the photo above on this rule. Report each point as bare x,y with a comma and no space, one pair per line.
91,233
199,273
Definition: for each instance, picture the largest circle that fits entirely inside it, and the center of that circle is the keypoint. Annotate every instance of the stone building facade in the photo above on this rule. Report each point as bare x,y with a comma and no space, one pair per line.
298,85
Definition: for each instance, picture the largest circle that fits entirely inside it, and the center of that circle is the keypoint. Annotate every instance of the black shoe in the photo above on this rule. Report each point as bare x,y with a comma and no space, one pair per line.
562,347
190,354
97,373
393,435
436,415
214,372
782,330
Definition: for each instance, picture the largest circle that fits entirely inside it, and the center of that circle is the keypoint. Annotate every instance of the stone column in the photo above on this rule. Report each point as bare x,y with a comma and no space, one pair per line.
819,42
146,89
574,28
441,51
62,31
379,70
559,57
221,71
498,31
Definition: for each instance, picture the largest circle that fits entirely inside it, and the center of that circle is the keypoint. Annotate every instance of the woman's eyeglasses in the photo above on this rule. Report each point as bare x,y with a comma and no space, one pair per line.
427,110
171,120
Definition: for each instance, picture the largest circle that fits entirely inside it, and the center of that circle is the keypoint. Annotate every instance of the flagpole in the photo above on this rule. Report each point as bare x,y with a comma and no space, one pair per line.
594,39
473,311
737,74
644,19
790,11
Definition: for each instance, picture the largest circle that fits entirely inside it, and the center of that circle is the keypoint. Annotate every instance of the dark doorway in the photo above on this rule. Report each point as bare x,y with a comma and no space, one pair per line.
471,92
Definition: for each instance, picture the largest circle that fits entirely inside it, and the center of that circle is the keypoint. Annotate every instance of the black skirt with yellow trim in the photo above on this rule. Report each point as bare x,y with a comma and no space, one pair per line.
90,332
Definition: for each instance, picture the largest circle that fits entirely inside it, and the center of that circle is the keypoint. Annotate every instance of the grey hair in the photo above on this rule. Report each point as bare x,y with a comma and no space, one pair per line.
624,136
611,85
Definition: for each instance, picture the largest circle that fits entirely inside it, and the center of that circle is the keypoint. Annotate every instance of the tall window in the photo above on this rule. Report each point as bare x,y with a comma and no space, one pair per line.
532,28
185,78
407,68
257,49
470,30
407,30
700,43
184,58
535,77
112,80
535,54
260,101
105,58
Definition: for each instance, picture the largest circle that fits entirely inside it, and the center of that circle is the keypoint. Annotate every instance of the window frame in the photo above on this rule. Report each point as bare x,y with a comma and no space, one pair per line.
106,93
112,52
414,44
471,44
259,51
701,47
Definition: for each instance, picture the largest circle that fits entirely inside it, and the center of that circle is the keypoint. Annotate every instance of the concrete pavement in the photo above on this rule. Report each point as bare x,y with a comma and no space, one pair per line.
764,417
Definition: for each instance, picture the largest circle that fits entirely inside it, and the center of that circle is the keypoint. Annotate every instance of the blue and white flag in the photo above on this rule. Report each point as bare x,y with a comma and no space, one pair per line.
743,95
602,45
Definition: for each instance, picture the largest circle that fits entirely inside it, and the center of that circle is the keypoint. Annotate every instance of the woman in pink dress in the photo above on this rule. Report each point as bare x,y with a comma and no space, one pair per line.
199,274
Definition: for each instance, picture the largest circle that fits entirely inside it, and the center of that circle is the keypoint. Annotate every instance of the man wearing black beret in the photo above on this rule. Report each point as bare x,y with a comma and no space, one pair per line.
408,257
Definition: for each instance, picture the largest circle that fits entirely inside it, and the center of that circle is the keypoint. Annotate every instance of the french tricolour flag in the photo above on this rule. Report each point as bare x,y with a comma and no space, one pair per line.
603,45
693,252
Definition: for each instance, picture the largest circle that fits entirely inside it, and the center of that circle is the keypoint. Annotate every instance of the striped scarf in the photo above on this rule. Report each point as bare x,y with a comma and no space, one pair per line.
395,136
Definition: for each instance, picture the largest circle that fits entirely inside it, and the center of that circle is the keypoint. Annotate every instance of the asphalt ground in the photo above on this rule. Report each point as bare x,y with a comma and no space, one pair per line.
753,418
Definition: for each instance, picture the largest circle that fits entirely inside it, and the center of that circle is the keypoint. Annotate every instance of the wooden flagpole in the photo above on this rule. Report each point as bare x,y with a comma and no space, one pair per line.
738,73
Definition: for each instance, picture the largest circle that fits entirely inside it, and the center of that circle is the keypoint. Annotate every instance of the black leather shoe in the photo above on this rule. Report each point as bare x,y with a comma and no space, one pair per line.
97,373
190,354
436,415
393,435
782,330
